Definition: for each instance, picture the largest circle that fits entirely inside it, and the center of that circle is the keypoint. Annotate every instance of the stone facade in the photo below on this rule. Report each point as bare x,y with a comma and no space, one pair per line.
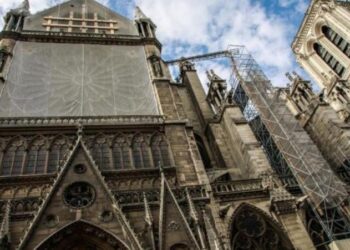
322,47
190,176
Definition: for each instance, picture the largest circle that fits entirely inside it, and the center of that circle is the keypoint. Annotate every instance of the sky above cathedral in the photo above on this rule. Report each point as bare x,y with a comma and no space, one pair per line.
188,27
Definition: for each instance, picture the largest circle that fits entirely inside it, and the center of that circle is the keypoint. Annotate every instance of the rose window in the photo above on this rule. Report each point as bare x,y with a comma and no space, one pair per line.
79,195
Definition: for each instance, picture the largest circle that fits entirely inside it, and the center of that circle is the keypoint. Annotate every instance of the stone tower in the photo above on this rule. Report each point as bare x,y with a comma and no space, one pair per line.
322,48
101,149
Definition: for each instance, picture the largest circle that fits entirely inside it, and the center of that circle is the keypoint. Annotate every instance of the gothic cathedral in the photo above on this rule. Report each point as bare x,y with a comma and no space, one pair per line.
102,149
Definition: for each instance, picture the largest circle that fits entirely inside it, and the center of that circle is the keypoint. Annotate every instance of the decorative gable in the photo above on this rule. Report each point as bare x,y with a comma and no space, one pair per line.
80,16
81,193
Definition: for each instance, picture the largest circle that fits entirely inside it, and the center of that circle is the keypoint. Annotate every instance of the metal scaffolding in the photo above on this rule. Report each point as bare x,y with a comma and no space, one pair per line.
292,153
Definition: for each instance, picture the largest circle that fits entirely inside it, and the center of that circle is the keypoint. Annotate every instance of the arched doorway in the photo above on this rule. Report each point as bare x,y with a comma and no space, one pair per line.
81,236
252,229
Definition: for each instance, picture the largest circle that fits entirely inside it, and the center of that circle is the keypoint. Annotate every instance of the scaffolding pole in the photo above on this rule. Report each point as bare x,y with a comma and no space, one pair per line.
289,148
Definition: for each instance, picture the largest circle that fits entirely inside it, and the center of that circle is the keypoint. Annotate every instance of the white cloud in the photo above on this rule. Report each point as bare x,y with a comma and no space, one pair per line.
194,24
298,5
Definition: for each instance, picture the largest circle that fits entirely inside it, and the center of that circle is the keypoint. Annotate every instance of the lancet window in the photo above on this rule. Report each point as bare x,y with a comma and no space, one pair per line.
203,151
57,153
36,159
101,152
13,158
329,59
121,153
141,153
337,40
160,151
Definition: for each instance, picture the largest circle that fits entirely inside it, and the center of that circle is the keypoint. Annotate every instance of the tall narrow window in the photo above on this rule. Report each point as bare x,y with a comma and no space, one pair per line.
36,160
203,151
121,153
57,154
337,40
140,152
13,158
101,153
160,151
333,63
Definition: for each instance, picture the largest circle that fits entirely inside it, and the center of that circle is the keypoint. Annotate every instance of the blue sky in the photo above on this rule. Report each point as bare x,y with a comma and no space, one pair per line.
187,27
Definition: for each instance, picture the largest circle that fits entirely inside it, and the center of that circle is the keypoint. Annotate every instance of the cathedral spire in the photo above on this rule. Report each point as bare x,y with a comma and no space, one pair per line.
195,219
149,222
4,230
144,24
14,19
172,221
139,13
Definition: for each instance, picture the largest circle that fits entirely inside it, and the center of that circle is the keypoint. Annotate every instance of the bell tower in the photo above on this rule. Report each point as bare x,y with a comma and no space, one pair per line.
322,48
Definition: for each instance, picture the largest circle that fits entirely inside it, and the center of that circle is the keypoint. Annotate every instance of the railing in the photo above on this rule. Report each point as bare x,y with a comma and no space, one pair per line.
86,120
236,189
136,197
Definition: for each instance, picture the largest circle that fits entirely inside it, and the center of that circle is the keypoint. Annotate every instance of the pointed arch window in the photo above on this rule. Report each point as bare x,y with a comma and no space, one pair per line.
121,153
337,40
329,59
58,151
101,153
13,158
36,159
160,151
203,151
252,229
140,153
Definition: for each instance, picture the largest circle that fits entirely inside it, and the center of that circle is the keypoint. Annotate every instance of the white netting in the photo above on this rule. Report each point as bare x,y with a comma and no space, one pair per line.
77,80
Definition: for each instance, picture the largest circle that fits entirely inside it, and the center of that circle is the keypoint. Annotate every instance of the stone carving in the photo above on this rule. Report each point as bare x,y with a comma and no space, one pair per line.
187,66
80,169
340,99
156,66
51,220
79,195
173,226
106,216
3,57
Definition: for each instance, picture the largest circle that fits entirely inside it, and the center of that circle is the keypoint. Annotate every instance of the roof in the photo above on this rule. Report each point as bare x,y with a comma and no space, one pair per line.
125,25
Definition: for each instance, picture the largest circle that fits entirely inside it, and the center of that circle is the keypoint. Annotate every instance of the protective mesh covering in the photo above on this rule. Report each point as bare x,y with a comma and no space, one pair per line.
77,80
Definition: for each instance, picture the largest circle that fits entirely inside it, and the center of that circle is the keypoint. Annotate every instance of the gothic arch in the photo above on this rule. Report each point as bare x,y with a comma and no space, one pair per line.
16,138
203,151
141,152
58,137
37,155
14,155
121,152
38,137
90,235
58,150
253,229
101,151
160,149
